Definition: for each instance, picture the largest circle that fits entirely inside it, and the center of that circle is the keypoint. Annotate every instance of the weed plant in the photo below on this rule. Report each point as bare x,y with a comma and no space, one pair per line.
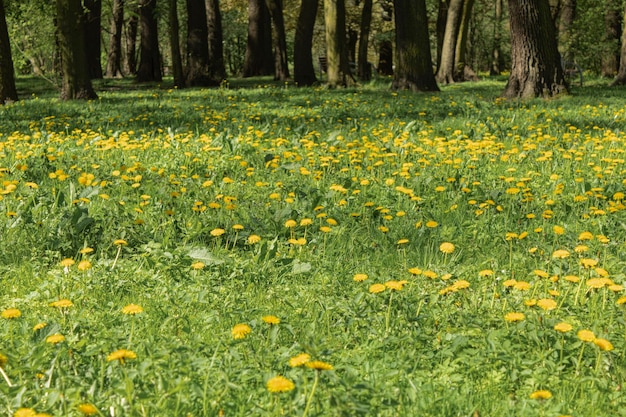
276,251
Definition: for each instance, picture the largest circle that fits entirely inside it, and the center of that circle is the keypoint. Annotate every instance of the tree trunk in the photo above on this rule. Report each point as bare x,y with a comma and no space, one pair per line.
566,22
445,72
217,70
536,64
92,28
414,70
174,31
338,67
130,59
612,34
442,17
149,56
197,73
259,57
281,69
76,83
620,79
385,58
303,69
364,68
114,57
497,58
462,70
8,92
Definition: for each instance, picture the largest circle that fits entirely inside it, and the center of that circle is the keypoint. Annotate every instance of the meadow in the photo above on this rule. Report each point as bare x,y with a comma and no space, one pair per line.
263,250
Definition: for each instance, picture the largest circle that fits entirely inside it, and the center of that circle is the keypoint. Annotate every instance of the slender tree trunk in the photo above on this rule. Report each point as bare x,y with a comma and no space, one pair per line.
414,68
442,20
114,57
130,58
445,72
363,67
338,67
8,92
174,32
612,35
217,70
462,70
620,79
197,73
566,22
536,64
385,58
76,83
92,27
281,68
497,58
303,69
258,59
150,57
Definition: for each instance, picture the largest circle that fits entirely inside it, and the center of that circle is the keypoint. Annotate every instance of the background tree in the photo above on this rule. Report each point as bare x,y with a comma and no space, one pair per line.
363,65
497,57
197,71
174,32
281,68
338,67
8,92
536,64
114,56
445,71
462,67
620,79
303,70
92,27
132,26
259,57
217,70
76,83
150,57
612,36
414,69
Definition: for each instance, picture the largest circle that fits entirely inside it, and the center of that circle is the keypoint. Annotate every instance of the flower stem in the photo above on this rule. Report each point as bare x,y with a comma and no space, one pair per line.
388,313
6,377
310,399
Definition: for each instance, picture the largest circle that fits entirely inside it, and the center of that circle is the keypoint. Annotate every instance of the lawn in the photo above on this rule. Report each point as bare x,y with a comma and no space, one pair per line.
260,249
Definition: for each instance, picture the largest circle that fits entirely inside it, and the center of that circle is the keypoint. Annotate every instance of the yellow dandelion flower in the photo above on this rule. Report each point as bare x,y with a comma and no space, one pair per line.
541,395
11,313
432,224
67,262
197,265
588,263
485,273
240,331
585,236
132,309
53,339
280,384
430,274
252,239
120,242
394,285
513,317
571,278
596,282
24,412
299,360
217,232
586,335
271,319
522,286
560,254
415,271
63,303
325,229
460,285
377,288
530,303
237,227
84,265
86,251
3,360
541,274
509,283
359,277
290,223
558,230
621,301
563,327
581,249
446,247
121,355
319,366
403,241
306,222
87,409
547,304
603,344
39,326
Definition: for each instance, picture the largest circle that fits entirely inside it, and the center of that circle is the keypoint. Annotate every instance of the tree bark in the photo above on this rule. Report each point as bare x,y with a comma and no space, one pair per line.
303,69
442,18
620,79
92,28
497,58
445,72
414,69
612,35
197,73
259,58
76,83
338,67
536,64
8,92
217,70
566,22
174,32
114,56
462,70
385,58
363,67
281,68
149,57
130,59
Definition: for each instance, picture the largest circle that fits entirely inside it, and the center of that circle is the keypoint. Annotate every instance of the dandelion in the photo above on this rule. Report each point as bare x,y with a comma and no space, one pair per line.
522,286
395,285
63,303
430,274
563,327
547,304
446,247
253,239
560,254
319,366
403,241
11,313
306,222
603,344
585,236
432,224
240,331
121,355
513,317
53,339
87,409
132,309
299,360
280,384
558,230
120,242
540,273
290,224
598,282
485,273
39,326
84,265
377,288
588,263
359,277
415,271
541,395
621,301
271,320
67,262
25,412
586,335
217,232
197,265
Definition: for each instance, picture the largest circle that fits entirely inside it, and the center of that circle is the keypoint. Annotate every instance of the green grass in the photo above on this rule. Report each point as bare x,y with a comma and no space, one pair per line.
332,183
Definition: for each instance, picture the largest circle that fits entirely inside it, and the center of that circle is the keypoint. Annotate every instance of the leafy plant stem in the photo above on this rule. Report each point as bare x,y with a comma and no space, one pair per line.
310,399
